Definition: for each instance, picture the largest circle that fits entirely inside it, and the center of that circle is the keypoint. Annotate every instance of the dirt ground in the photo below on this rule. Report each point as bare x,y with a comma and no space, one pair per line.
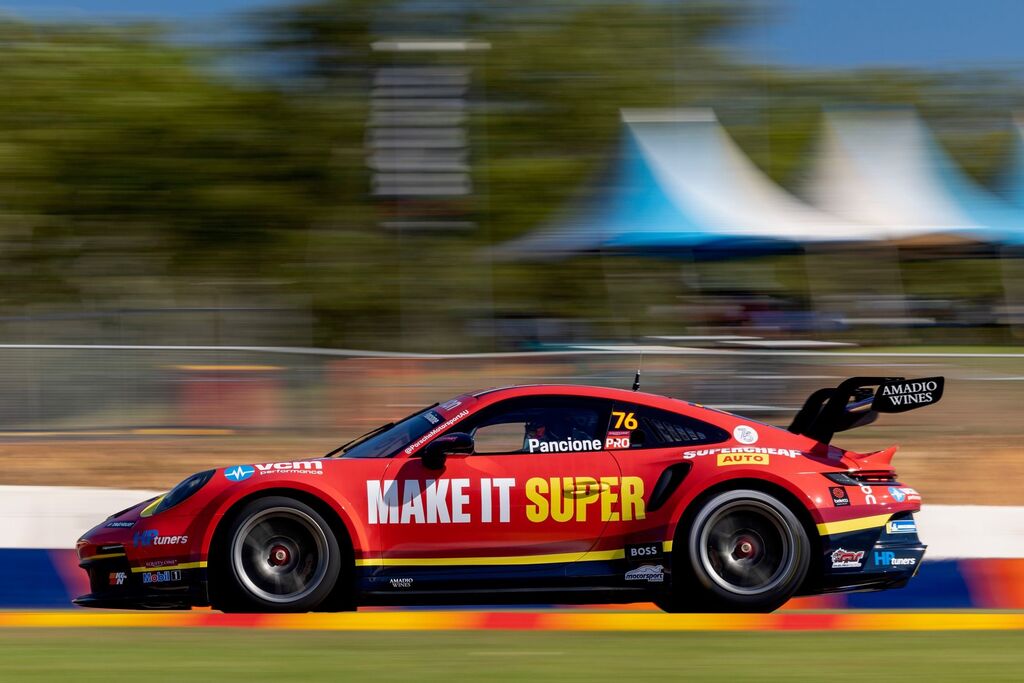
959,469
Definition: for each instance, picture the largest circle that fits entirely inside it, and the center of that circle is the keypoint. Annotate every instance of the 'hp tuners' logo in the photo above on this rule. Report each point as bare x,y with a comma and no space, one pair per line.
239,472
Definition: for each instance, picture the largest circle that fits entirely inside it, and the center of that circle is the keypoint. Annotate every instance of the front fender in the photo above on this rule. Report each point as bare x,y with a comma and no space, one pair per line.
326,493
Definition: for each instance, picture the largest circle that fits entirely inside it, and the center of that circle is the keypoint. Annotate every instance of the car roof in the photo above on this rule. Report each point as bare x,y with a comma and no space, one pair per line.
657,400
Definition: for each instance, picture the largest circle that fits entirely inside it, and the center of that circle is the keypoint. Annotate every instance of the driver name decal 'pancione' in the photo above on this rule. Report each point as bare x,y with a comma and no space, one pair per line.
563,446
458,500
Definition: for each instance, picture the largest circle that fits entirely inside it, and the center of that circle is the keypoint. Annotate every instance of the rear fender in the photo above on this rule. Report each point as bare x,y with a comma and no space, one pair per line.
760,480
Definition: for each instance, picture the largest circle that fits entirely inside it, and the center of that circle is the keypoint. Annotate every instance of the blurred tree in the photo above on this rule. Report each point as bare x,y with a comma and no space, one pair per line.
122,161
134,171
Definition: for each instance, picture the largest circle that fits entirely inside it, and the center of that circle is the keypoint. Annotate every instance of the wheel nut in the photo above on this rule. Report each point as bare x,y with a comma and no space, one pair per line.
278,556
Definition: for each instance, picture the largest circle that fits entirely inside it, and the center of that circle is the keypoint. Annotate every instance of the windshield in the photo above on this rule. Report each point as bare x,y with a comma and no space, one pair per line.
387,440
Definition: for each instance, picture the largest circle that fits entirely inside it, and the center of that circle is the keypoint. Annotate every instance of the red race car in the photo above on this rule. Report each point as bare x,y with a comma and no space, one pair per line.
535,494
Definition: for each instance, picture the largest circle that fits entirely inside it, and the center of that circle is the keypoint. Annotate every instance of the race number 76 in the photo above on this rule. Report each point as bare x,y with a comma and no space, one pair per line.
623,419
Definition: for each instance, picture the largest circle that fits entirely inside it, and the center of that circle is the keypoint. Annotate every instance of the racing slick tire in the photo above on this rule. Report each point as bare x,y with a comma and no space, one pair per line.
278,555
745,551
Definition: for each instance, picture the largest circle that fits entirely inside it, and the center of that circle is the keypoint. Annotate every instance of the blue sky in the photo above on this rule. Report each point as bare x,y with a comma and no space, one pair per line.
809,33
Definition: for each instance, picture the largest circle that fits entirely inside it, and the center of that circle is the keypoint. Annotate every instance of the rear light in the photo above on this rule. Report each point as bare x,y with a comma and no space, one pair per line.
874,477
863,477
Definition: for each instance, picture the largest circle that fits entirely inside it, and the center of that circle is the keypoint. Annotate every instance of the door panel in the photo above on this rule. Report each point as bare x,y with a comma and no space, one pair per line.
525,516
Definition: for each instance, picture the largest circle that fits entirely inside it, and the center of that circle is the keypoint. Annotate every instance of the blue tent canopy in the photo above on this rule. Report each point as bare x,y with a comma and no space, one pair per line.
681,185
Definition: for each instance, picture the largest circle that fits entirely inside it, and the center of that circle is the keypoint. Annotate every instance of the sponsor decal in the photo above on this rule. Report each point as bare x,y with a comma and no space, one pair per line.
901,526
565,446
623,419
415,445
457,500
904,493
617,439
839,497
869,496
450,405
614,498
118,578
745,434
436,501
120,525
401,583
651,573
847,559
308,467
887,558
166,576
903,395
152,537
641,551
743,459
432,417
160,563
787,452
239,472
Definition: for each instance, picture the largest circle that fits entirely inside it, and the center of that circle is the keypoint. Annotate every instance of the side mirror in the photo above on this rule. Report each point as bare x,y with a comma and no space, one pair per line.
438,450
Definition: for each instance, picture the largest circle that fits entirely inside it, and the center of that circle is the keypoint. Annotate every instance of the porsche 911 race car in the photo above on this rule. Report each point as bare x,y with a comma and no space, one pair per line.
535,494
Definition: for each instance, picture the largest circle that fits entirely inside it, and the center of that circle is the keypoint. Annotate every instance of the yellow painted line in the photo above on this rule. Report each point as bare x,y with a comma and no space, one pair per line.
183,431
574,620
183,565
959,621
76,619
377,621
655,621
139,431
228,368
100,432
846,525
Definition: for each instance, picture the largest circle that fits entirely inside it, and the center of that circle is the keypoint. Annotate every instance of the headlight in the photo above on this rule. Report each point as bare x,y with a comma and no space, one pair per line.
181,492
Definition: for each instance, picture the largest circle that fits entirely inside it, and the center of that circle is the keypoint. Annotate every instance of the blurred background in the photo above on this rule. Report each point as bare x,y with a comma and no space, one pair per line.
245,230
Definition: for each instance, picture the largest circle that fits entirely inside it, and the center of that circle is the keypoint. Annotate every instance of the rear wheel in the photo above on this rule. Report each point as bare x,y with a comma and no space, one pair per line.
279,555
744,552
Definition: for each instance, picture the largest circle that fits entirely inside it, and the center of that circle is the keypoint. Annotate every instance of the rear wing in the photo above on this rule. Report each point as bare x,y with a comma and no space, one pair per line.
858,401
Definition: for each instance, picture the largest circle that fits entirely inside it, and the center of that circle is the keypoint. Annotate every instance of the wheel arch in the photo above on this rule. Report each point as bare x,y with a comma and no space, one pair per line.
786,496
343,594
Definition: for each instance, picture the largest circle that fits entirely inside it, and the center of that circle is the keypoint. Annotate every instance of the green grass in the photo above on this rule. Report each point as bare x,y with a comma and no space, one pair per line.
241,655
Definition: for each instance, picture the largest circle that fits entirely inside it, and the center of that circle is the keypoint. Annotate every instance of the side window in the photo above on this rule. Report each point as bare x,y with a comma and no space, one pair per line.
540,424
633,426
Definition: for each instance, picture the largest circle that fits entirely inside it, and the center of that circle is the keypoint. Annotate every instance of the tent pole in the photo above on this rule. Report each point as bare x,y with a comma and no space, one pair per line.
1008,267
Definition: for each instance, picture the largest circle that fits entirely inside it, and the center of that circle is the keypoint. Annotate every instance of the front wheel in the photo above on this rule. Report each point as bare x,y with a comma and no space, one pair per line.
280,555
745,552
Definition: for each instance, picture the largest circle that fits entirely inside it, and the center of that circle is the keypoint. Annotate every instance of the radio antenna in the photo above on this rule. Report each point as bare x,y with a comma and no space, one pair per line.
636,378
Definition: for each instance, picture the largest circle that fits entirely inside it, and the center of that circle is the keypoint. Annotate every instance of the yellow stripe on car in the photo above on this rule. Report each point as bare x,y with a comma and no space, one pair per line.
151,507
828,528
183,565
555,558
